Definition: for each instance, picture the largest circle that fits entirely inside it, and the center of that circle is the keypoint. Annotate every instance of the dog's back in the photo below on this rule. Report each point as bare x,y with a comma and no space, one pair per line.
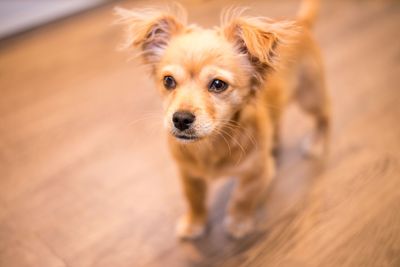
300,76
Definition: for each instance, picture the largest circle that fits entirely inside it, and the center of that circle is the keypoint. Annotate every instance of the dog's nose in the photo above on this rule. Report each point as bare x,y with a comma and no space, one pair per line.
183,119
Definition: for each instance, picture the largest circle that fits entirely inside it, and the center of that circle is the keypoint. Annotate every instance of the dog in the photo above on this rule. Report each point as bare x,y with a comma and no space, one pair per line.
224,91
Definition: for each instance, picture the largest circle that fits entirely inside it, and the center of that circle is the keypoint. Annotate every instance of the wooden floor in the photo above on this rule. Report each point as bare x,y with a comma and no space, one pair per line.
85,182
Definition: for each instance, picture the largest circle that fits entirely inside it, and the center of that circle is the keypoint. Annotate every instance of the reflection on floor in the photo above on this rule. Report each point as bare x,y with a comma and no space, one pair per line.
19,16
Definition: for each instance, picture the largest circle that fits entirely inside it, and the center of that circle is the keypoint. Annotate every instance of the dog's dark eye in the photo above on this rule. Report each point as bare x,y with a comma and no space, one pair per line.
169,82
217,86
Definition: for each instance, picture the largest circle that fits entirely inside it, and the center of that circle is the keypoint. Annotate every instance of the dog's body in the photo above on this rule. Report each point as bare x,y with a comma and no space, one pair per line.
224,92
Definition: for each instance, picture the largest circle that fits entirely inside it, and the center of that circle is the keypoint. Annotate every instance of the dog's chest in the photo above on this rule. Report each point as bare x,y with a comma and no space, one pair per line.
221,158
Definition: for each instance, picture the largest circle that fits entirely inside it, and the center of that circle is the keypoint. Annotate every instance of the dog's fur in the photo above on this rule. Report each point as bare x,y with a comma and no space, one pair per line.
265,64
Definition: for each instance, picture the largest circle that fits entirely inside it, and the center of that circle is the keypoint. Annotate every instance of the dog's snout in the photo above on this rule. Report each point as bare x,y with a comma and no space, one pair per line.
183,120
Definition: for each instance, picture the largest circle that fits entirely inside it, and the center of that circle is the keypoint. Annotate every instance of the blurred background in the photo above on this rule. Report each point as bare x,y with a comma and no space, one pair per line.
86,181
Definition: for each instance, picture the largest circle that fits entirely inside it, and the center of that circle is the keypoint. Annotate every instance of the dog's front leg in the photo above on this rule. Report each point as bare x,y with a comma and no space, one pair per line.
192,225
240,219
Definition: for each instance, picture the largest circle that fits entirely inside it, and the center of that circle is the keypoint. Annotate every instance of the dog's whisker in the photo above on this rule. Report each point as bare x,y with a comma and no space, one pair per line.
235,127
144,118
238,143
245,131
225,140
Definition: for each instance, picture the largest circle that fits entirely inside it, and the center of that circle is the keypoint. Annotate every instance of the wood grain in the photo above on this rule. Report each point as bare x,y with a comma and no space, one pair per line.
86,178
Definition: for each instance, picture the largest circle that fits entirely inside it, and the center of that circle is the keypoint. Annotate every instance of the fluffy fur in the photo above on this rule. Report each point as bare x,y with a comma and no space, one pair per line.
265,64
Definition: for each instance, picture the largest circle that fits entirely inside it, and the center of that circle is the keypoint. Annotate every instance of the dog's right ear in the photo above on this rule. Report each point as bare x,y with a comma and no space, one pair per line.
258,38
150,30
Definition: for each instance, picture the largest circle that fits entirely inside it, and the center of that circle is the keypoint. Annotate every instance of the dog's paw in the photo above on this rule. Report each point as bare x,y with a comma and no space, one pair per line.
313,146
238,228
187,229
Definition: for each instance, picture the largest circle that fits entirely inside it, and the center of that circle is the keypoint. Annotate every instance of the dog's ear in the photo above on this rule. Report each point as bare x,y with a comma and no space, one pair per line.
150,30
259,38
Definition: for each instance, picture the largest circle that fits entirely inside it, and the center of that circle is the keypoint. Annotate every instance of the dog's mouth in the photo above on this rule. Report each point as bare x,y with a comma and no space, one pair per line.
186,137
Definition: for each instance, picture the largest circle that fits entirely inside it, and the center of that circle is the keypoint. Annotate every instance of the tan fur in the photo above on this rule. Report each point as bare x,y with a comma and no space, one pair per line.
266,63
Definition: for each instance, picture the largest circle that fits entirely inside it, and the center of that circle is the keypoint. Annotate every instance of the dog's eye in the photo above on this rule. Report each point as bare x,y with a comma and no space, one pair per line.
217,86
169,82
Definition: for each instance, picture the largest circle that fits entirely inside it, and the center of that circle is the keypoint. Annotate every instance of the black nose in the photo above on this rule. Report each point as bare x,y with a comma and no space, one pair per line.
183,119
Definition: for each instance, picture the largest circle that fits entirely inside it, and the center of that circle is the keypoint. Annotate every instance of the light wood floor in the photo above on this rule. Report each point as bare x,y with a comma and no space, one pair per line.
84,181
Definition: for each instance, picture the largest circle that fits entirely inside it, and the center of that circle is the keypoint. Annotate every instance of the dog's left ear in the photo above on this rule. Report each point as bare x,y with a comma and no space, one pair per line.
150,30
259,38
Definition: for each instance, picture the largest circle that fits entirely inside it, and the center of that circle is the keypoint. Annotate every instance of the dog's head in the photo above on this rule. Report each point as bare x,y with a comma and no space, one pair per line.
205,75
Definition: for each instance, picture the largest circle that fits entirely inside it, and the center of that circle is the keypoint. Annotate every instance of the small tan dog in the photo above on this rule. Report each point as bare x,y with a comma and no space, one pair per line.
224,90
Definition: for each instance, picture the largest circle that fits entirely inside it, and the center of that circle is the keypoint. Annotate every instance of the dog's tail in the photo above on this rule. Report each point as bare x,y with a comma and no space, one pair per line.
308,12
